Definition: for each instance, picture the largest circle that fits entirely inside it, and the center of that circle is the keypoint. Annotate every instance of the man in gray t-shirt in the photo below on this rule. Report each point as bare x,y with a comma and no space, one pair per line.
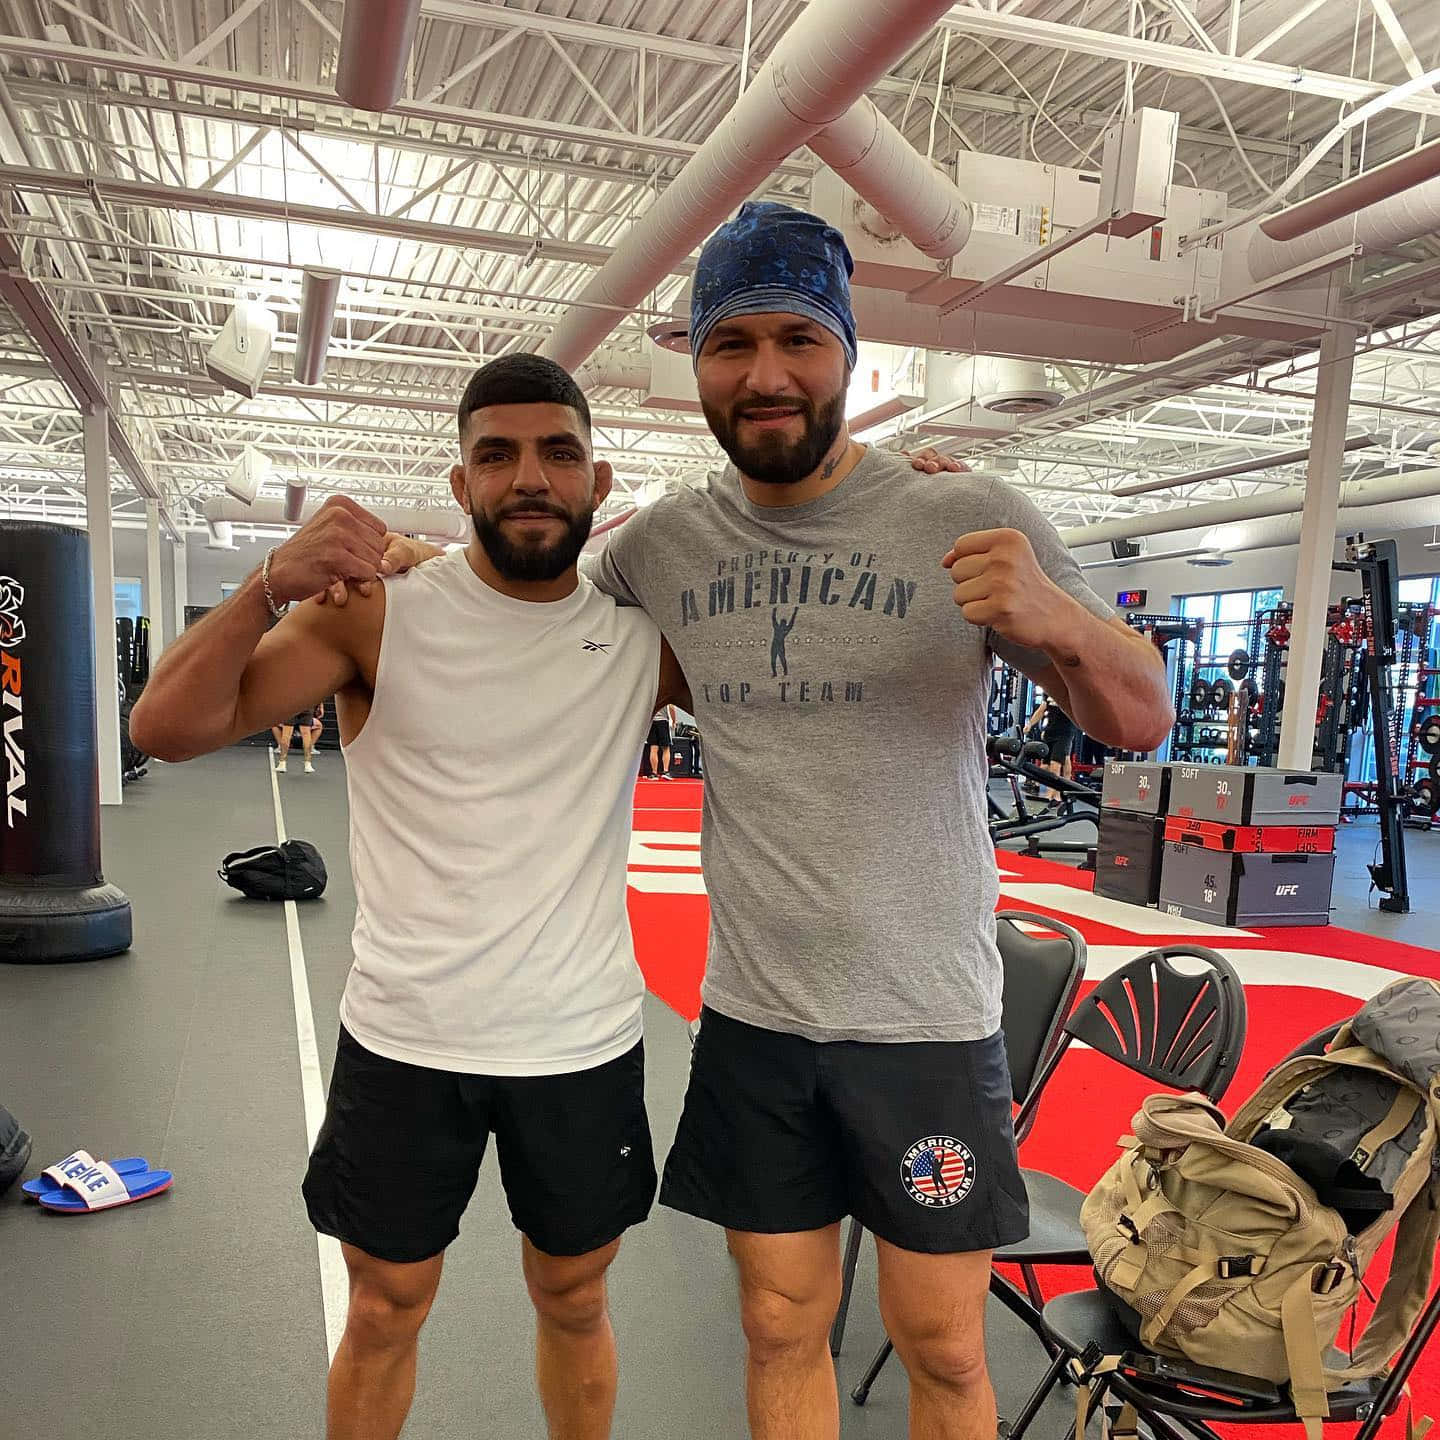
849,1059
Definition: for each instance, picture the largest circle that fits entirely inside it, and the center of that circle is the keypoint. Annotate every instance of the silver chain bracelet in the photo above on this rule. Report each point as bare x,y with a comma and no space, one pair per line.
265,581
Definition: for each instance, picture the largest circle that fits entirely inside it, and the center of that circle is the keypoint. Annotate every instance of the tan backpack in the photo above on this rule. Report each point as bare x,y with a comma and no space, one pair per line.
1227,1254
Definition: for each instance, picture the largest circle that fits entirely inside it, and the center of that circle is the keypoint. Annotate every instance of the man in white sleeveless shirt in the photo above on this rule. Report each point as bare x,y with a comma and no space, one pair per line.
494,986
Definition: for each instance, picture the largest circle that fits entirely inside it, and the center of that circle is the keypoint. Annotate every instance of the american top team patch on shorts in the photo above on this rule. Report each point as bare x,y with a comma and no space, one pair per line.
938,1171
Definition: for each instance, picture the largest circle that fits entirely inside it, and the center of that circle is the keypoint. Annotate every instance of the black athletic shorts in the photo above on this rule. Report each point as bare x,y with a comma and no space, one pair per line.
399,1153
660,733
1060,736
782,1134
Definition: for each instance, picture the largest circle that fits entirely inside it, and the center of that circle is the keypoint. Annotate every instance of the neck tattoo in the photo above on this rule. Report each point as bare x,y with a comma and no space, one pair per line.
833,463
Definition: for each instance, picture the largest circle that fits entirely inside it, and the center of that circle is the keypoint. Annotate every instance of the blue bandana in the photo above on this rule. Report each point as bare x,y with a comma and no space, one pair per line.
773,258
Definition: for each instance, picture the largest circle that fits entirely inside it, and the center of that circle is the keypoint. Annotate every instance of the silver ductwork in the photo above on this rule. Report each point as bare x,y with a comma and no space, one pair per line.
1363,503
295,492
446,523
1402,217
375,43
1371,187
906,190
620,369
319,290
821,66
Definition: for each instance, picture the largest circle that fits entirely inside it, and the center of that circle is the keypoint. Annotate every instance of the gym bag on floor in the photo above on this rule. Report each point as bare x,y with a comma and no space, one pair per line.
292,871
14,1150
1238,1259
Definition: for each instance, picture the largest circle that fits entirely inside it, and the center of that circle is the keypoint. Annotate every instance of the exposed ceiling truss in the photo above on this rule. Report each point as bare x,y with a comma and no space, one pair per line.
162,159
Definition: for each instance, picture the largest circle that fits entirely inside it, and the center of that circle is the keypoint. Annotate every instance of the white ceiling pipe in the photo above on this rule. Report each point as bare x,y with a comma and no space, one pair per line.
623,369
1409,215
1378,490
1278,530
822,64
375,45
1368,188
319,290
440,522
878,162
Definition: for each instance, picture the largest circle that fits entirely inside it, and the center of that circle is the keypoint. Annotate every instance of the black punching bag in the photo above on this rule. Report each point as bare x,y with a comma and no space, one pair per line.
54,902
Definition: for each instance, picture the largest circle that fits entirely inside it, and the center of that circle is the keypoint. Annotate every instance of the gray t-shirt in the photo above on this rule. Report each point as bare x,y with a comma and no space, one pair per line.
841,696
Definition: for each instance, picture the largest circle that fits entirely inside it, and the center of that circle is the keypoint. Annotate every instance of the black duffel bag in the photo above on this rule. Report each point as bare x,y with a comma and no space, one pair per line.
292,871
14,1149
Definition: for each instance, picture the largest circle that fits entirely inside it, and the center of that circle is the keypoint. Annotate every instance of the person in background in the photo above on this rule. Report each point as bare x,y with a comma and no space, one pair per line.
662,732
1059,734
310,723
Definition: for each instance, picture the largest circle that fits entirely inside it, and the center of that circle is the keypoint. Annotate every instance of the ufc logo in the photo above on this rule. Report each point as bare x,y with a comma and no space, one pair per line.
1287,890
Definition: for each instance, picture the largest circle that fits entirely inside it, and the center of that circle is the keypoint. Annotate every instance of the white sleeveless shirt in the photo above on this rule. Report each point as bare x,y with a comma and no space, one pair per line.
490,811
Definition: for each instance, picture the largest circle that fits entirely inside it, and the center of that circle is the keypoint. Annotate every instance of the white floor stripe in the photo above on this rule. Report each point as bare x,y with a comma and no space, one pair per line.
334,1282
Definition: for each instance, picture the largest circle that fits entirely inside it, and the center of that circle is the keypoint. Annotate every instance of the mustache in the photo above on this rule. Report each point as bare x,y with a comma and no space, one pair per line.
772,402
534,507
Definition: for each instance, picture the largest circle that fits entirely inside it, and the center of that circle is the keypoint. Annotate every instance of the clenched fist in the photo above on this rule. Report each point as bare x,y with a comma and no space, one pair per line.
402,553
999,585
343,541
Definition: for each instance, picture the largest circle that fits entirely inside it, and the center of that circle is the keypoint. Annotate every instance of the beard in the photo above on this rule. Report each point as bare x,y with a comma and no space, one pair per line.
534,557
772,457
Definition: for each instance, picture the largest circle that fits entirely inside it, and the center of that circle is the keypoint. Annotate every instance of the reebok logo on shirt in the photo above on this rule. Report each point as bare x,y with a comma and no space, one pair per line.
600,647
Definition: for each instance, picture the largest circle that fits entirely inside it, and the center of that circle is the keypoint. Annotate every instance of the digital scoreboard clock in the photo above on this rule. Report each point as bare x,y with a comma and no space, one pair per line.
1132,599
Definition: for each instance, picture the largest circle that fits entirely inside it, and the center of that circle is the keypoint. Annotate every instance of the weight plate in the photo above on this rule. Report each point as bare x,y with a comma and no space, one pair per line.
1238,665
1429,735
1220,693
1435,769
1200,693
1427,796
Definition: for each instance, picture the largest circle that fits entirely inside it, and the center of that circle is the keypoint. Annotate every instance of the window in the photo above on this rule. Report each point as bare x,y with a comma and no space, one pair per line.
129,598
229,587
1227,618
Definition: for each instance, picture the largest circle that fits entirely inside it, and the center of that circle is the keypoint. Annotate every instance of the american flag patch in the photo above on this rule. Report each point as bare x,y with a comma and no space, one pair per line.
938,1171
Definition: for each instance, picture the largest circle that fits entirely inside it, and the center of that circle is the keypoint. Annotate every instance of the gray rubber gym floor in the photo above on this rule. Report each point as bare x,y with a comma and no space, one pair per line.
199,1312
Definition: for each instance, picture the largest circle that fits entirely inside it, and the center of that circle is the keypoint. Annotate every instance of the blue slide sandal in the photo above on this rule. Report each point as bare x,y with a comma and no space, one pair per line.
101,1188
51,1180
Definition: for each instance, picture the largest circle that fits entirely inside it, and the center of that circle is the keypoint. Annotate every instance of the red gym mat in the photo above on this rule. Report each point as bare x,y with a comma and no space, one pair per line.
1296,982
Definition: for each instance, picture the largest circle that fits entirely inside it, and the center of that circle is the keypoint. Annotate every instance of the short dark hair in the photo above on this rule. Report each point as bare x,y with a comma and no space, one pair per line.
523,379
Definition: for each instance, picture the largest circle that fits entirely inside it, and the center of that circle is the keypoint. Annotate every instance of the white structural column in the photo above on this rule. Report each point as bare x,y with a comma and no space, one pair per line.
154,587
182,586
102,580
1317,548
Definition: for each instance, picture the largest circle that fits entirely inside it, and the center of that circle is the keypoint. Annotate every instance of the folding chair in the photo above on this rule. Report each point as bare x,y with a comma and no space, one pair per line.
1178,1401
1183,1031
1042,975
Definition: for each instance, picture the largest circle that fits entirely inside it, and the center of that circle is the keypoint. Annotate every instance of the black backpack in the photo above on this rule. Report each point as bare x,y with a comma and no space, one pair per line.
292,871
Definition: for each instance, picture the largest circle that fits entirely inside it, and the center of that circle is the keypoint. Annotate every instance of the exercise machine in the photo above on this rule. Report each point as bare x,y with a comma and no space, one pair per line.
1376,562
1017,761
